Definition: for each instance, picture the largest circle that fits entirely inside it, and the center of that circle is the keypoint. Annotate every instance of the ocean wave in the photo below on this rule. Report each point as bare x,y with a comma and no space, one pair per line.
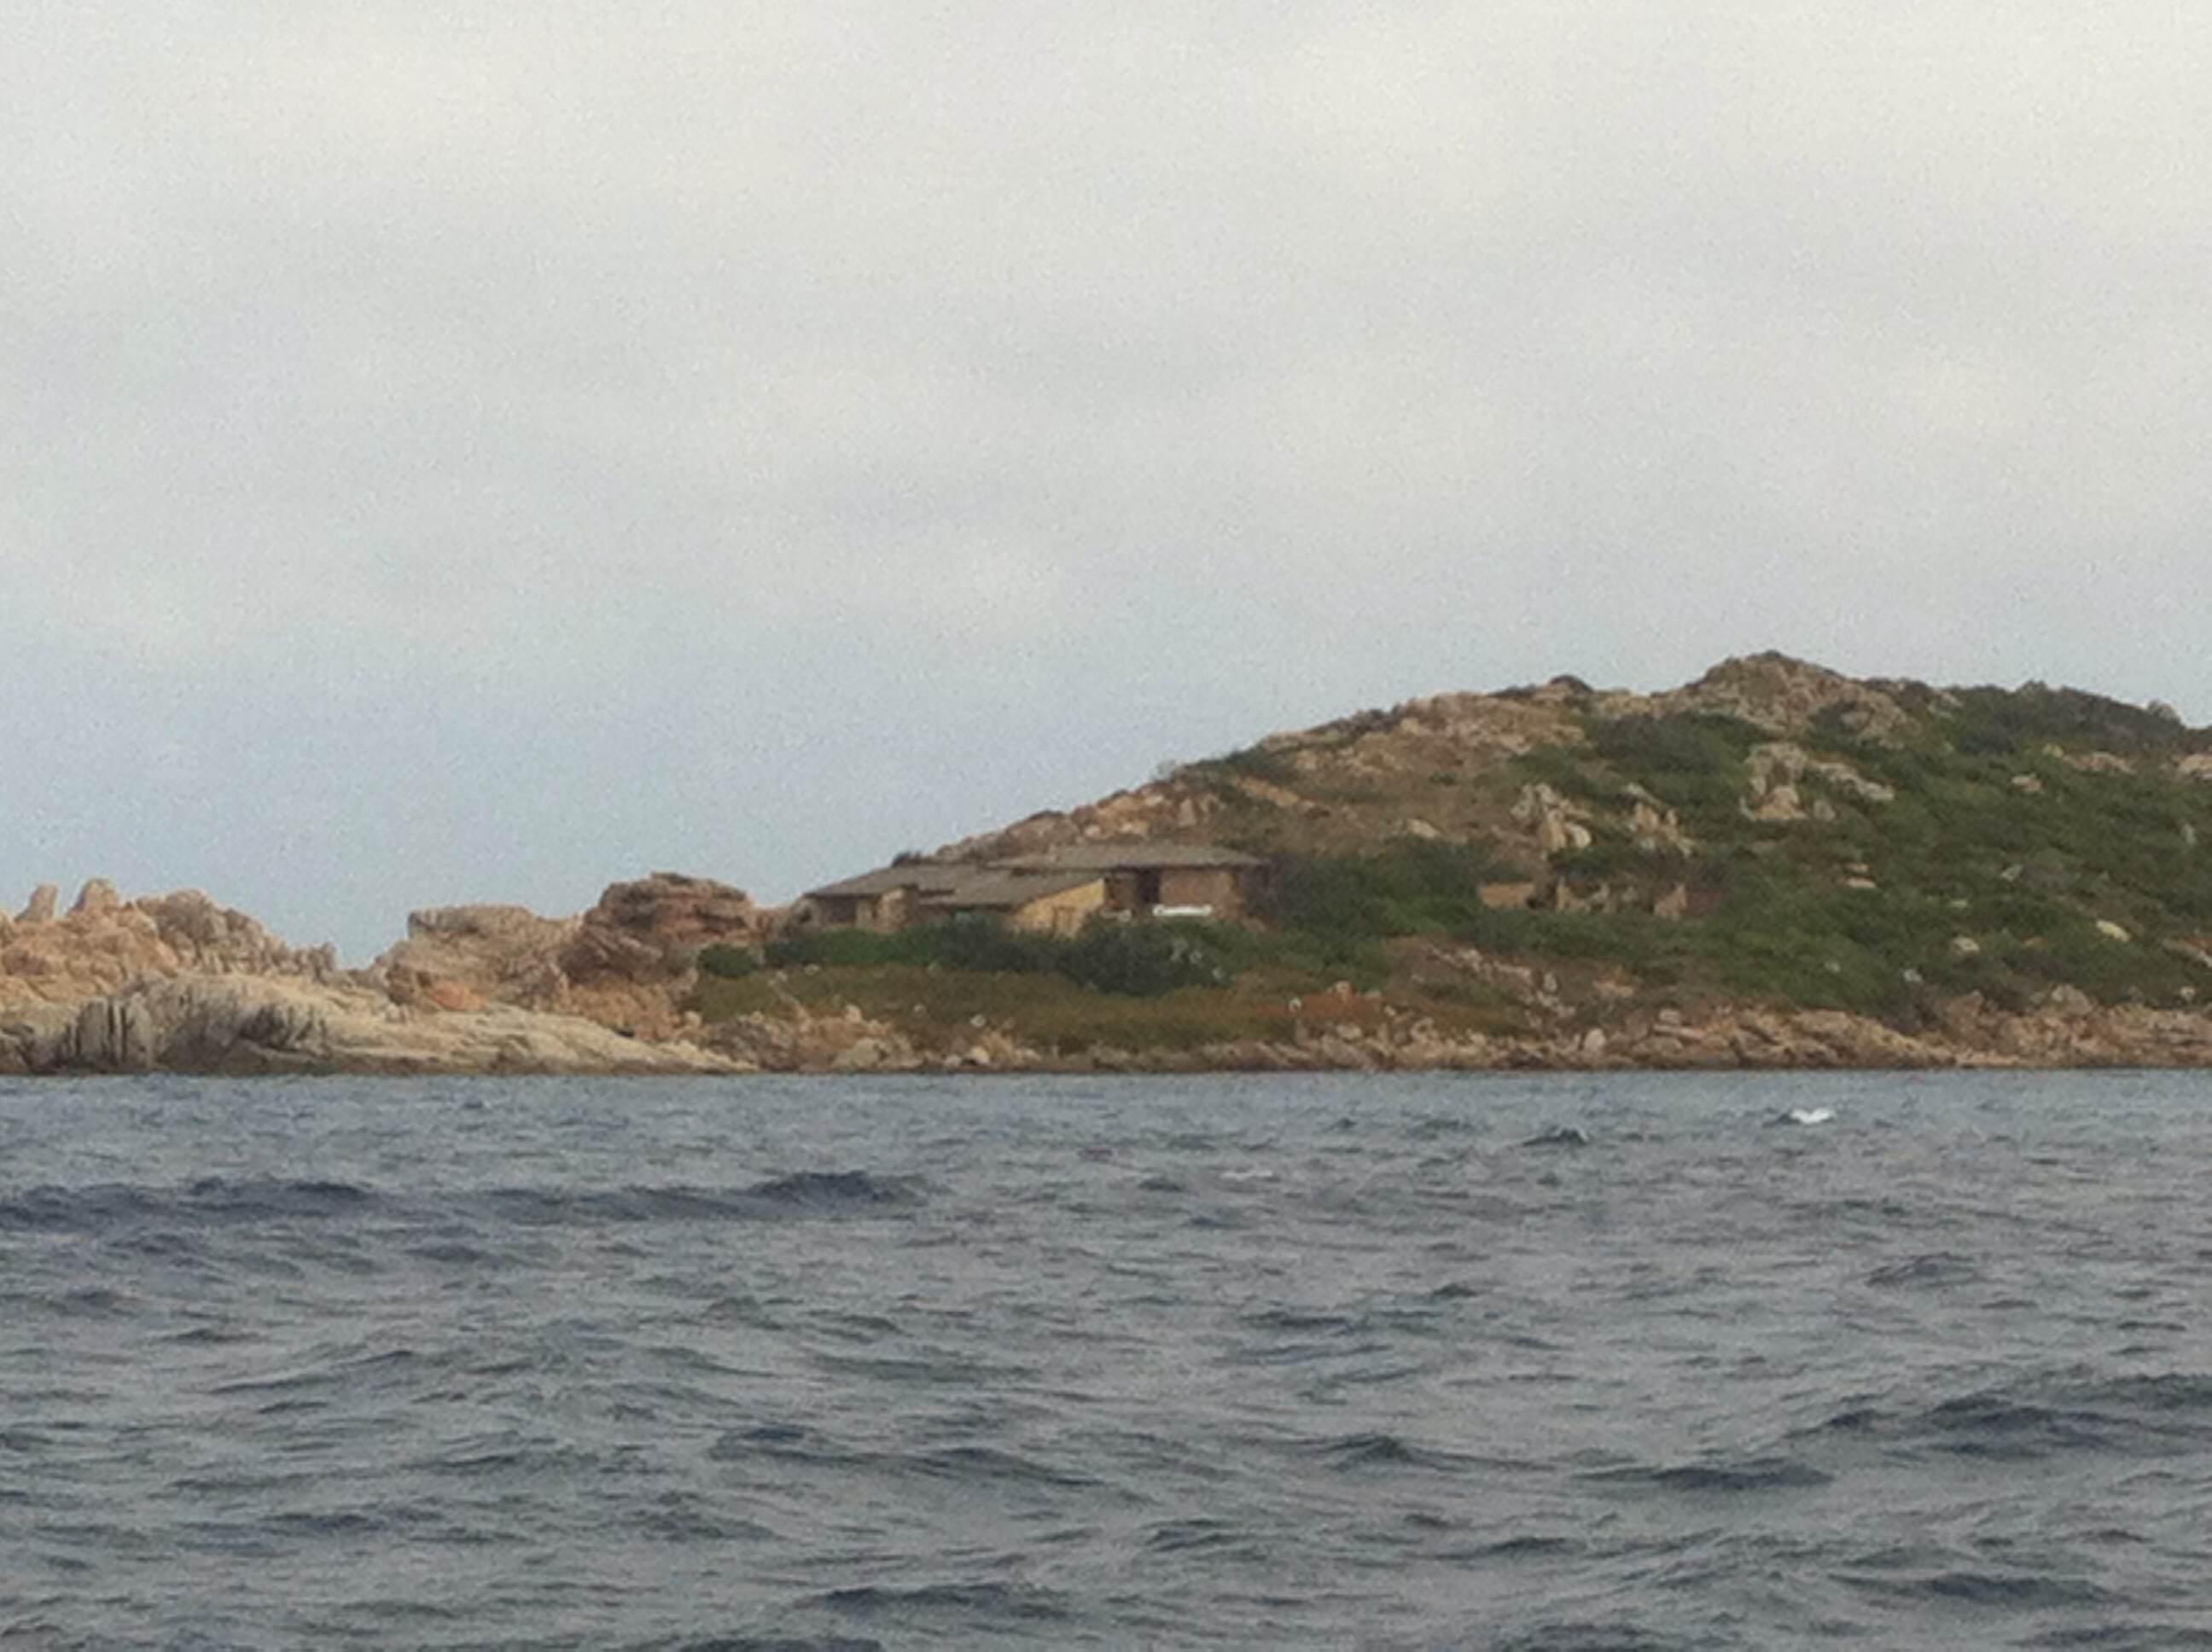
803,1192
1561,1135
101,1206
2125,1636
1378,1448
1757,1474
1006,1603
1201,1535
988,1463
1573,1636
1933,1268
833,1190
2016,1591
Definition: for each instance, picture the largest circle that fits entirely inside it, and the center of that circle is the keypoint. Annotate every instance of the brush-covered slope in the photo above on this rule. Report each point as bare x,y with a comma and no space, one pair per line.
1771,831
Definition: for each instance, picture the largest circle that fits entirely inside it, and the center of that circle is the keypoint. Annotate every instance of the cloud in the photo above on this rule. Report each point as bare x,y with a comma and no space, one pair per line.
896,418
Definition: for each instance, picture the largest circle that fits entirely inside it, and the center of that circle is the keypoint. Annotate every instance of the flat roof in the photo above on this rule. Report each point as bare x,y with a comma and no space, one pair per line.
1135,855
934,880
962,882
997,889
913,874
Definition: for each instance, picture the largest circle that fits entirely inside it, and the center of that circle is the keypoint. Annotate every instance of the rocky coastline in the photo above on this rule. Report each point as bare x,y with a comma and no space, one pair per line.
1773,866
177,983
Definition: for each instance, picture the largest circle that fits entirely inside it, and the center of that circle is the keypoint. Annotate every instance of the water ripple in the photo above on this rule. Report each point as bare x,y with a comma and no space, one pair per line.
1532,1362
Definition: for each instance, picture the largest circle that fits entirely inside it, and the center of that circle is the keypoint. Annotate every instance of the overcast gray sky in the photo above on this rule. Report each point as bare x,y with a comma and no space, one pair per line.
475,451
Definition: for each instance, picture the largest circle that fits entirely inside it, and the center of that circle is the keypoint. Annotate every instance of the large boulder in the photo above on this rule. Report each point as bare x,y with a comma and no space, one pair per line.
656,922
500,954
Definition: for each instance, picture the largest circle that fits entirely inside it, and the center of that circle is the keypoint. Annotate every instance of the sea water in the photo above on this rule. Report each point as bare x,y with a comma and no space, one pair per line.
1553,1361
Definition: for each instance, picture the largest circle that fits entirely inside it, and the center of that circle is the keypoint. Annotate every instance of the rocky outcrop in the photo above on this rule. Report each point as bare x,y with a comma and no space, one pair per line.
1556,825
670,915
261,1025
625,963
104,943
630,960
177,982
1775,784
1785,696
504,954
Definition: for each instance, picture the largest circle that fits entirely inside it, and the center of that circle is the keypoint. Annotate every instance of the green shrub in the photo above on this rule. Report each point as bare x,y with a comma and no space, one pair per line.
1411,886
2000,720
1253,762
726,963
850,948
1141,959
1695,763
981,943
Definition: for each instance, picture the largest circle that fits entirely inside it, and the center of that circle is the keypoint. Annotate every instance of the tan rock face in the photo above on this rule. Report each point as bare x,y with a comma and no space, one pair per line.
669,909
103,943
625,963
653,924
504,954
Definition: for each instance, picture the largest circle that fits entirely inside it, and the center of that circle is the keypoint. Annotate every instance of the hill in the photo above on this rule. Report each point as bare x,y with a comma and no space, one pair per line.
1773,828
1560,874
1774,865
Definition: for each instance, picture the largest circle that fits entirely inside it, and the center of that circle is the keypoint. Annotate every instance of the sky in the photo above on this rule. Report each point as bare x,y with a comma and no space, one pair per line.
478,452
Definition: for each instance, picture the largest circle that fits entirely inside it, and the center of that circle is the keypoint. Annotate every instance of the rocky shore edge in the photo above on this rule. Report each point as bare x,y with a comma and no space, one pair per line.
177,984
256,1025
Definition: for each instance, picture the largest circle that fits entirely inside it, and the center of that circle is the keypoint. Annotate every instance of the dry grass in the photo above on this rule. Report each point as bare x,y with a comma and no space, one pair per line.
939,1008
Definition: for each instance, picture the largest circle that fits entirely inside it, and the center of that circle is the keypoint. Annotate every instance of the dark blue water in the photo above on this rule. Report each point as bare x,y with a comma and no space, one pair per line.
1324,1361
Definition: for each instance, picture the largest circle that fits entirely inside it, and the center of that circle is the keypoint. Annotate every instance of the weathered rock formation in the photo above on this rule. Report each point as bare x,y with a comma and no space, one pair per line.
177,982
104,943
507,954
260,1024
625,963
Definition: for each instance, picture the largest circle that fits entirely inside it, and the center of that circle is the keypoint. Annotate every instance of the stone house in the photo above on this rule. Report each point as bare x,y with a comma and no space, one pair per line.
1144,879
1055,892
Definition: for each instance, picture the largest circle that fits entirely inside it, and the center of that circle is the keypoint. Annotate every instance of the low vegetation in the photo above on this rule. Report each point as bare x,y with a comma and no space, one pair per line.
1933,843
1132,959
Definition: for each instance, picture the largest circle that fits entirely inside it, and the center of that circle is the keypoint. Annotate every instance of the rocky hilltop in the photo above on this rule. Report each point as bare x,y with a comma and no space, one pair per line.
1773,866
1485,768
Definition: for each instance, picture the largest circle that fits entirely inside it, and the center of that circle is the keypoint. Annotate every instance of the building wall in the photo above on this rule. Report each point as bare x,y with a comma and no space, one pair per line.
830,911
874,913
1219,887
1062,913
